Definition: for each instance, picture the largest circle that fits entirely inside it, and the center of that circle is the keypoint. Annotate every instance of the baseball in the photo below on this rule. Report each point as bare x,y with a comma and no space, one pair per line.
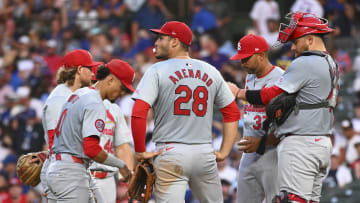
242,141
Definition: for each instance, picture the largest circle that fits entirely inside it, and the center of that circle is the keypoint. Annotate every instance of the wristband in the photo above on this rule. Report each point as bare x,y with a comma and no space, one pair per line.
111,160
261,148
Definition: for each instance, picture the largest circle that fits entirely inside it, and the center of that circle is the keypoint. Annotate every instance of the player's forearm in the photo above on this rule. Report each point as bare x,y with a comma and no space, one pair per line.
230,134
125,153
138,124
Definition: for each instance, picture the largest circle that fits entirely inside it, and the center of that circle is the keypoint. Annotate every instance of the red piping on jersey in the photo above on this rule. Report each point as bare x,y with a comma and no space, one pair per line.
110,116
269,92
51,134
91,146
230,113
138,124
272,68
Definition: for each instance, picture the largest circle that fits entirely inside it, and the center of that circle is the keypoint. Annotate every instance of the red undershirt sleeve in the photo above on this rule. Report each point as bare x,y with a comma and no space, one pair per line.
138,124
91,146
269,92
230,113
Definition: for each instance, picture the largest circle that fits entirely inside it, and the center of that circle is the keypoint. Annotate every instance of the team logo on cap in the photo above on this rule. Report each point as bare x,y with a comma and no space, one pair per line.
239,46
99,125
257,49
173,33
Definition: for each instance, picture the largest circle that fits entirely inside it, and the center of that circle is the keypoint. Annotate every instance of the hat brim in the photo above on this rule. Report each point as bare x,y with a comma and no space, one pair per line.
240,56
129,86
95,63
158,31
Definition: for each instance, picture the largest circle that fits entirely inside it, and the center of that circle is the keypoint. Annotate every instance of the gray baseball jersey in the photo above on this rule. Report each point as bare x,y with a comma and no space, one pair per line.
310,76
181,92
52,108
51,112
303,160
116,133
83,115
254,115
256,171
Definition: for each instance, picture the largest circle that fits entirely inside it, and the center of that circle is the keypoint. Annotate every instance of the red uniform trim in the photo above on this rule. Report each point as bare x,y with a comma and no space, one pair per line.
230,113
51,134
269,92
272,68
91,146
138,124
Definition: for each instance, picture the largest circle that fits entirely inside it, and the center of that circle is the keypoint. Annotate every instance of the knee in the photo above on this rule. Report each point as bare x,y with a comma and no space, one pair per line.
286,197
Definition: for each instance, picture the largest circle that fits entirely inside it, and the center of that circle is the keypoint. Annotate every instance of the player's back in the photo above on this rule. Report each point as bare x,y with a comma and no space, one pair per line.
77,121
52,109
185,91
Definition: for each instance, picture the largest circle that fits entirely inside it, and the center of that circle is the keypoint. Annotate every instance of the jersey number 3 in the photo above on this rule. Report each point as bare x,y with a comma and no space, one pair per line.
200,96
60,123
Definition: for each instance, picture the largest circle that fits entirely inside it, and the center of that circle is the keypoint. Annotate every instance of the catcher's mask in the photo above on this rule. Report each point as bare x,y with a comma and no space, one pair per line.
301,24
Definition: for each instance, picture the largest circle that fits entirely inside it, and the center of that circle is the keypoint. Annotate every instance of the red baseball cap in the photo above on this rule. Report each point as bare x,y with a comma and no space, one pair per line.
123,71
176,29
94,70
249,45
79,57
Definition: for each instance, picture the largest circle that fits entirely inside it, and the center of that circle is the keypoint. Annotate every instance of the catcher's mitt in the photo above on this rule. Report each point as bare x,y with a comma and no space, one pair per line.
29,166
141,185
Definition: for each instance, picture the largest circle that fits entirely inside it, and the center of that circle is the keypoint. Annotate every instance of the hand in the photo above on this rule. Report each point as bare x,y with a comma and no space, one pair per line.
234,89
249,144
125,173
220,156
146,155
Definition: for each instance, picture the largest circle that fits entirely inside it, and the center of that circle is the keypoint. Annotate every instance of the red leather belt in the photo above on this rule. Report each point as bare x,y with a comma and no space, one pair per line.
74,158
99,174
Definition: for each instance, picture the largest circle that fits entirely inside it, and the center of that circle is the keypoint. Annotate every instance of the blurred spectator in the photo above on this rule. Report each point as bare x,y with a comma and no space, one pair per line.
339,174
221,11
309,6
210,45
226,190
273,28
87,17
356,63
356,120
9,166
5,88
11,102
203,19
134,6
15,192
33,196
261,12
3,187
226,172
344,22
357,162
29,134
121,193
342,58
25,99
52,59
339,142
152,14
352,138
111,12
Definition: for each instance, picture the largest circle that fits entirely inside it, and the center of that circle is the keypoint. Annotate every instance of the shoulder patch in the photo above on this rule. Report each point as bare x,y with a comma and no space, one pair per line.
100,125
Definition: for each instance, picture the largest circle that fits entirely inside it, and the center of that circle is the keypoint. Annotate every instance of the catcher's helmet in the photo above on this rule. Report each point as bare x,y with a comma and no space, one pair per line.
301,24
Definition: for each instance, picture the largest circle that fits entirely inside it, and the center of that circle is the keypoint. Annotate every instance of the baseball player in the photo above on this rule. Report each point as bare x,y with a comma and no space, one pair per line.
305,148
75,73
183,92
257,178
77,133
115,139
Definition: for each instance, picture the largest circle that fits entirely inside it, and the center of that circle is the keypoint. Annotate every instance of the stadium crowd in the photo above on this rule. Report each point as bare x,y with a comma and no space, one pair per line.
35,35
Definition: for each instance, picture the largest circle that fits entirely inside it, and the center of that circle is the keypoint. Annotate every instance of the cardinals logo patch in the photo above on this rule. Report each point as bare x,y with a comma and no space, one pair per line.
239,46
99,125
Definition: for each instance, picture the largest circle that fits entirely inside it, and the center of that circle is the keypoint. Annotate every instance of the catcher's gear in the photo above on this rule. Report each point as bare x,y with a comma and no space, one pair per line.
302,24
29,166
141,184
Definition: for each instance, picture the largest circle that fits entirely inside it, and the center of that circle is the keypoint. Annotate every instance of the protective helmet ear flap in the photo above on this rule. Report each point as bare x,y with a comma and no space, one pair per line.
301,24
